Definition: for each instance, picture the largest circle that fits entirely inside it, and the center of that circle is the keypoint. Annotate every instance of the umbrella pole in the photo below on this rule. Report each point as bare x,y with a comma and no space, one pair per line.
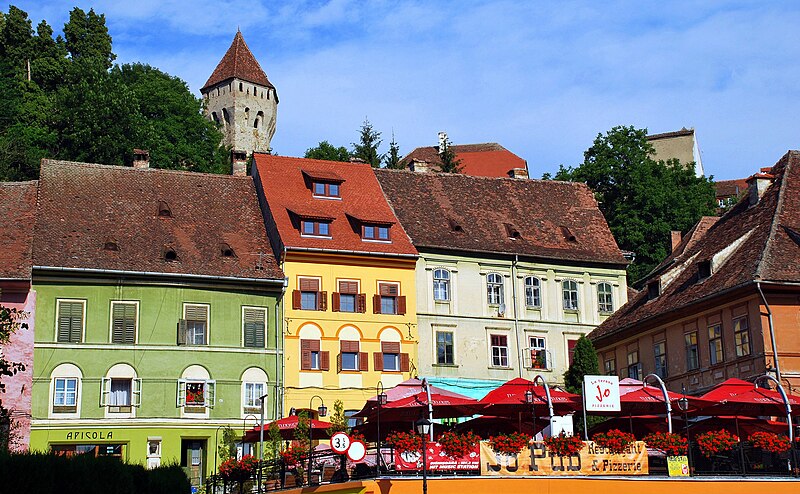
519,422
630,422
741,447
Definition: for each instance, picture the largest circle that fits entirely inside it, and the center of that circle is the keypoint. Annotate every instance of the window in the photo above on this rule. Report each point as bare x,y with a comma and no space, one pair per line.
660,355
538,346
571,344
499,350
254,320
569,289
325,189
388,299
65,394
316,228
351,358
374,232
311,358
634,367
692,354
352,422
123,322
610,366
196,393
309,296
533,292
605,298
441,285
445,351
193,328
252,394
70,320
494,288
715,344
741,336
120,394
347,299
390,359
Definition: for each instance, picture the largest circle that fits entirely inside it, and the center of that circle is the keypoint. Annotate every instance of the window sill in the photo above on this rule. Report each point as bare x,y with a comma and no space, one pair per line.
389,371
349,371
497,367
571,311
446,365
65,410
533,307
312,370
538,369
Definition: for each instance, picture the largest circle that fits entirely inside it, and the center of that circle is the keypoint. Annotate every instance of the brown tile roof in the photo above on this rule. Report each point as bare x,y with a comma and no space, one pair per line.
286,184
481,160
730,188
83,207
238,62
480,214
18,211
768,251
666,135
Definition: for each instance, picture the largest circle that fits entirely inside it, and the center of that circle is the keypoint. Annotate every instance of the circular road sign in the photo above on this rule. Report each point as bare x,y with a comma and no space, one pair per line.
357,451
340,442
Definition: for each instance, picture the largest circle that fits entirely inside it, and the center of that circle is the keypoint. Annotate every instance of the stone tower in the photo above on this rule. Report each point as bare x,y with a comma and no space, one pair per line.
241,99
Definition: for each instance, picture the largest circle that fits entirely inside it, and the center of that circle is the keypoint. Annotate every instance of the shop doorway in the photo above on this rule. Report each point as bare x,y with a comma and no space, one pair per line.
193,453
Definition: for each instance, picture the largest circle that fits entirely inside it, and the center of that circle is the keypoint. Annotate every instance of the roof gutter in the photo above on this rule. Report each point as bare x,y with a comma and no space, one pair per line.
260,281
527,257
771,332
350,252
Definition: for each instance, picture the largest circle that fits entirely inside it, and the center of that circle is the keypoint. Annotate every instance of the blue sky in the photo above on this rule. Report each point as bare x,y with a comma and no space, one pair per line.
541,78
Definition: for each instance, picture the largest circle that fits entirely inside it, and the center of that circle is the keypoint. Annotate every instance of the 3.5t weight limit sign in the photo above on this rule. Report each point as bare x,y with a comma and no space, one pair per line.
340,442
601,393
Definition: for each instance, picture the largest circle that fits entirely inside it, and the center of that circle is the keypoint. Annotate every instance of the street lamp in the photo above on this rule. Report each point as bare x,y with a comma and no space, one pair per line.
382,400
423,426
261,442
683,405
323,411
216,453
529,401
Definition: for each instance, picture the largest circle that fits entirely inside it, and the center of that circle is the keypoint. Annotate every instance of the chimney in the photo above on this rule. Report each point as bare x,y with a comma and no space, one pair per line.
141,158
518,173
420,166
676,239
758,184
239,163
442,141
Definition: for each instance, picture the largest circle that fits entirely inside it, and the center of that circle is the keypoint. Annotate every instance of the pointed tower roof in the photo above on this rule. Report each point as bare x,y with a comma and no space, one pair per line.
238,63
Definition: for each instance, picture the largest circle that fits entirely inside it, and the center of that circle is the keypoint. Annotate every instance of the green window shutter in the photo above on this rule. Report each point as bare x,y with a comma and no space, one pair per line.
105,390
124,323
210,393
181,393
254,325
70,322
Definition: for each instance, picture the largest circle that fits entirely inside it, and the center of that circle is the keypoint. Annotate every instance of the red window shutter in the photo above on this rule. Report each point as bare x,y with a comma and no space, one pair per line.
305,344
335,302
339,363
305,360
363,361
322,300
377,359
390,347
309,285
313,345
348,287
401,305
324,361
349,346
361,303
388,289
571,349
405,362
376,304
297,302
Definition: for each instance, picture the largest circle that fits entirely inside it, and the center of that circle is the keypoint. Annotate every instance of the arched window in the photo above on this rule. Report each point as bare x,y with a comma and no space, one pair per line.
241,87
532,292
605,297
226,117
254,386
65,391
215,117
259,117
569,289
494,288
121,390
441,285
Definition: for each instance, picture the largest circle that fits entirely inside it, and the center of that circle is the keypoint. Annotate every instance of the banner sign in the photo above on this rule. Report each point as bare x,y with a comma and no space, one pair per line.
601,393
678,466
592,460
437,460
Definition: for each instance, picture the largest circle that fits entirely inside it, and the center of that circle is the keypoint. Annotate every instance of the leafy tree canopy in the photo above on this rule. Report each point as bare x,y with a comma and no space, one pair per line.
642,199
367,148
584,363
326,151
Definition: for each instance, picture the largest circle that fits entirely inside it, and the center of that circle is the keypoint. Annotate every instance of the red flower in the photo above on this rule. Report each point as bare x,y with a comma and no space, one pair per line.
715,442
293,456
615,441
669,443
509,444
563,445
238,470
770,442
457,445
404,441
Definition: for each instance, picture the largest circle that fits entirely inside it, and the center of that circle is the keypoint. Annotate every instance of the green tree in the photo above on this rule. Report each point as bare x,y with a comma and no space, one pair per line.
338,419
392,158
642,199
367,148
227,447
584,363
450,163
326,151
275,440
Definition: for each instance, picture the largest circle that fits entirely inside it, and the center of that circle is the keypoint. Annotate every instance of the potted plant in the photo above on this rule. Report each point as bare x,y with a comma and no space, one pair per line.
457,445
509,444
563,445
669,443
615,441
405,441
770,442
713,443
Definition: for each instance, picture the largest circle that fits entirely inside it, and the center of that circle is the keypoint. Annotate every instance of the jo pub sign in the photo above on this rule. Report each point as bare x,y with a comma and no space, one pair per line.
601,393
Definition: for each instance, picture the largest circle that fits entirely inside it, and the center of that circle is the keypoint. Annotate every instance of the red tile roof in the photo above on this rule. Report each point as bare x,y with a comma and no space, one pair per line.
480,160
238,62
479,214
83,207
18,210
730,188
769,251
288,195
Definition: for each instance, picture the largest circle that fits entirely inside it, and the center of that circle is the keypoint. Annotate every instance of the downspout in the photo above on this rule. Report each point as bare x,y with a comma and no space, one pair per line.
771,331
279,334
516,315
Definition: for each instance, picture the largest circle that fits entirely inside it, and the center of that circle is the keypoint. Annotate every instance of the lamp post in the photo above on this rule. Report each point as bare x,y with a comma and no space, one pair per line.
423,426
529,400
382,400
261,441
323,411
683,404
216,453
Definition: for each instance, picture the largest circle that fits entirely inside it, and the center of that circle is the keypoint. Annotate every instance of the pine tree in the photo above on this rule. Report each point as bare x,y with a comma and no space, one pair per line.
584,363
450,163
392,159
367,148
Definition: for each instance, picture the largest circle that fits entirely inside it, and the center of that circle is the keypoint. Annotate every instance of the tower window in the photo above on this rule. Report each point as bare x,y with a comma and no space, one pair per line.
226,116
241,87
215,117
170,254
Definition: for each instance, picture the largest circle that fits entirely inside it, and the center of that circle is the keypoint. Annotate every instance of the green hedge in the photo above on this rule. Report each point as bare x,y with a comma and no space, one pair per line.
48,473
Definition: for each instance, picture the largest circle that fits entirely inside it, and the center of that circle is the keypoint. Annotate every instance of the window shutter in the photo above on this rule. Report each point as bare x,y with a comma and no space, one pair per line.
197,313
361,303
305,360
335,302
63,322
209,395
309,285
130,323
254,322
182,332
363,361
181,401
401,305
324,361
105,391
322,300
339,363
376,304
70,322
297,300
136,392
405,362
349,346
123,323
348,287
390,347
571,349
377,360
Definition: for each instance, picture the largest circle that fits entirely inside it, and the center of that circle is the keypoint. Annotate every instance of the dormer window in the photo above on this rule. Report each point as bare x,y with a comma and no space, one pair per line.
654,289
454,226
375,232
315,228
704,269
226,250
326,189
512,232
164,210
111,245
567,234
170,254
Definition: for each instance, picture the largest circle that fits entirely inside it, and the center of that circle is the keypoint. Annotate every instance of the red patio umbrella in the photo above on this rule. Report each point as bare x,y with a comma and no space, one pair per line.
737,397
287,426
509,399
649,400
487,426
409,401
